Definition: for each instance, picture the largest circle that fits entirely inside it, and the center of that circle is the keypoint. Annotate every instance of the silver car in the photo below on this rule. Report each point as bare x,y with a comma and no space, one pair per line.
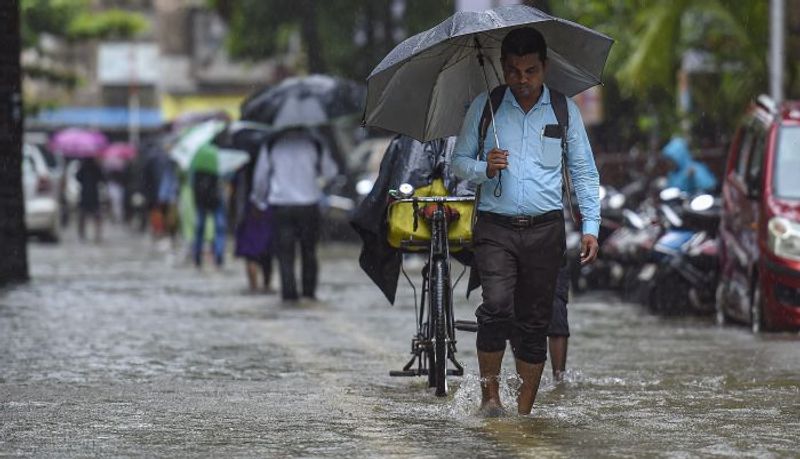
40,189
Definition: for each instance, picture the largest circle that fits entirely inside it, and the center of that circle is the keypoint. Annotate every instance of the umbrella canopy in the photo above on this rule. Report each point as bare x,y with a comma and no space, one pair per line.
189,143
120,150
116,156
305,101
194,150
78,143
247,136
424,85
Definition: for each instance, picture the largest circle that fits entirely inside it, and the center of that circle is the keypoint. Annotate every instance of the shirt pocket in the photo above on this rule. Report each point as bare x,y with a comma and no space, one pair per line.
551,152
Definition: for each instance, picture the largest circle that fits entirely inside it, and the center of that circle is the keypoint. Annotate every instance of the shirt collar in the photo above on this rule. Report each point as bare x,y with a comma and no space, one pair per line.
544,99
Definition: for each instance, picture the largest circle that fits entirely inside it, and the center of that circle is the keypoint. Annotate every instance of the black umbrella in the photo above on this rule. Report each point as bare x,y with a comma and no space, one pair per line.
305,101
423,86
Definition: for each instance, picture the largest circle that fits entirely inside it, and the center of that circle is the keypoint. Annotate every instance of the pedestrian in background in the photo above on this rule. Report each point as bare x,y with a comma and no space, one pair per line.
90,175
558,331
168,188
287,180
117,179
209,202
686,173
254,228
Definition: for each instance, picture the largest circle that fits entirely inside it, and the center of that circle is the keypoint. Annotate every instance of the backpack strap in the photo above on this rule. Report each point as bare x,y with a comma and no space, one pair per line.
492,105
559,103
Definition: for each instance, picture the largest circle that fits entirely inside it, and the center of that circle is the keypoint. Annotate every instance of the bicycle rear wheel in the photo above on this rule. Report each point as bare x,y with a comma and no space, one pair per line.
440,293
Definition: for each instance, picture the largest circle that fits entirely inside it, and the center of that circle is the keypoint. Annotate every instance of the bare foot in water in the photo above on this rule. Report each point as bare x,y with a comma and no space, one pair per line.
492,409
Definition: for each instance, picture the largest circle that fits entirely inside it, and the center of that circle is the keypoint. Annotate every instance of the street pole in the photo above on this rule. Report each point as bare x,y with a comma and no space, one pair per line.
776,48
13,242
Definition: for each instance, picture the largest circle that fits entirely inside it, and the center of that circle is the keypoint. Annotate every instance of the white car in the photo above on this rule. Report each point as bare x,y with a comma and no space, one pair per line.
39,187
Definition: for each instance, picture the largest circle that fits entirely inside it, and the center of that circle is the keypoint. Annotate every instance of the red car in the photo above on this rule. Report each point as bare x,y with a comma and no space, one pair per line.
760,226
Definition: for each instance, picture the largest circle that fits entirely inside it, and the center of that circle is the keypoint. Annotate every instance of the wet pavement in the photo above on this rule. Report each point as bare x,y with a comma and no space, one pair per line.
122,349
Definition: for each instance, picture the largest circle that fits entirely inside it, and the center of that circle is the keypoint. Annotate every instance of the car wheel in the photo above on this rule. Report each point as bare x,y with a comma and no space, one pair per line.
757,322
721,317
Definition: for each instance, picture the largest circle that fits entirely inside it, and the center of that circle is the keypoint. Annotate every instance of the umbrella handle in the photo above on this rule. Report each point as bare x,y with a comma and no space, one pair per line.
498,190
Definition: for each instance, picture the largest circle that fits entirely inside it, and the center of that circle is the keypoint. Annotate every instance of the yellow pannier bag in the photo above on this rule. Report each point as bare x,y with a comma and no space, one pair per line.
400,217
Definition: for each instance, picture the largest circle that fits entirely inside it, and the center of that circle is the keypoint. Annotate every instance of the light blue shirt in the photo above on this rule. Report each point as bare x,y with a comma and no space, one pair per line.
532,181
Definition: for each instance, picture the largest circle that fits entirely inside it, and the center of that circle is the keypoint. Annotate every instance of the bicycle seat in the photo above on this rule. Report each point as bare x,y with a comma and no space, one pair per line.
450,213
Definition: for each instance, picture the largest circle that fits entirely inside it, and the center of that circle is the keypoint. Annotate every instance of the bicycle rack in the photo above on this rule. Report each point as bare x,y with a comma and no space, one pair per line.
418,349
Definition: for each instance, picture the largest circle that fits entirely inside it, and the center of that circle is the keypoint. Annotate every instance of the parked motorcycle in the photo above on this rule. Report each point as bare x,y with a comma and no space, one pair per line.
616,228
686,255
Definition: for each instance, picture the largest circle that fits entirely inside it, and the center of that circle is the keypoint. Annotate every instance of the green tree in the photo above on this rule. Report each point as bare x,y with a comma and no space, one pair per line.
345,37
74,22
652,38
734,34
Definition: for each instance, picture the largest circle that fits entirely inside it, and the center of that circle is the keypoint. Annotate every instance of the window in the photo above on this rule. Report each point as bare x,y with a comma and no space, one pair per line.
744,150
756,160
787,164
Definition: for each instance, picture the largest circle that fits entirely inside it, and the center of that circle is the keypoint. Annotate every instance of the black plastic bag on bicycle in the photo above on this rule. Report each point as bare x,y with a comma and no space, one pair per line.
405,161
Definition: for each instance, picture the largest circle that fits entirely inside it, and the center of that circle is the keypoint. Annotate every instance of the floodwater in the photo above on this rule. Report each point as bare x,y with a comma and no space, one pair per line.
122,349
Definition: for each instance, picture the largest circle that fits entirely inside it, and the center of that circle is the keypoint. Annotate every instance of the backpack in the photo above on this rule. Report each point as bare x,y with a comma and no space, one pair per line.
205,186
559,103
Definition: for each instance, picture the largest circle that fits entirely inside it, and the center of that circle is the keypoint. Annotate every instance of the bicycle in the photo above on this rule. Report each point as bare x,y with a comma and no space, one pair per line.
435,342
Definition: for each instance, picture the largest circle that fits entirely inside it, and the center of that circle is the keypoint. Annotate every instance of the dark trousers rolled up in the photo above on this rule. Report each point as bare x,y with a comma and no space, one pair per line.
518,268
297,224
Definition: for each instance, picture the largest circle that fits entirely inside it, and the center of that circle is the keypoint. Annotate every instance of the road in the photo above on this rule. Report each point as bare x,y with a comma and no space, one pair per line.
122,349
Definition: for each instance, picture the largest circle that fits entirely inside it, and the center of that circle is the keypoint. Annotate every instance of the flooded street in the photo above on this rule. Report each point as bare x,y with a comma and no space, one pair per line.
122,349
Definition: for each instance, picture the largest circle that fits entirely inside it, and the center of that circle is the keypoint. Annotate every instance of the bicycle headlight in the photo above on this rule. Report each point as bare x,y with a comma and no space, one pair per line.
406,190
783,238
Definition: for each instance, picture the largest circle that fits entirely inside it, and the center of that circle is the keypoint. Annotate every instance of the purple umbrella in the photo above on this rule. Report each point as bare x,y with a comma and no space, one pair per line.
78,143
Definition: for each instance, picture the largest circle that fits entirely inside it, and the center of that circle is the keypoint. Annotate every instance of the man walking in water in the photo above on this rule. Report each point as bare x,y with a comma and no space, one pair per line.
519,236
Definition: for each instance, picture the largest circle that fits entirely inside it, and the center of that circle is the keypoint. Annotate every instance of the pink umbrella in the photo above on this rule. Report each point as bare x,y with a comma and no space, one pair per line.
78,143
120,150
116,155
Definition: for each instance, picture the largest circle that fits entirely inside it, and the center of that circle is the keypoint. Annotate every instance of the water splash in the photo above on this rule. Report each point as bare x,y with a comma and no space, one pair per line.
467,399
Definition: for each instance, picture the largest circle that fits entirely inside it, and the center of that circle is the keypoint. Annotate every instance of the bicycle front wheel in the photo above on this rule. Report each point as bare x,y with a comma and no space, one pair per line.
440,294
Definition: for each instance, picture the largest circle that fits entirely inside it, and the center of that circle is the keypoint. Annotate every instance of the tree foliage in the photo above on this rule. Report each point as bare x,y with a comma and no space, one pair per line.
109,24
74,20
653,37
343,37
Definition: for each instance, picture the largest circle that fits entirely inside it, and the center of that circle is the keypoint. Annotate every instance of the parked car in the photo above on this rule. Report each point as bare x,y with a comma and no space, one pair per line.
41,195
760,226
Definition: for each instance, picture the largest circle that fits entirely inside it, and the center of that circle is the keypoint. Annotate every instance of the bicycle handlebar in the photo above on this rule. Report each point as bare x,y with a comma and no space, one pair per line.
432,199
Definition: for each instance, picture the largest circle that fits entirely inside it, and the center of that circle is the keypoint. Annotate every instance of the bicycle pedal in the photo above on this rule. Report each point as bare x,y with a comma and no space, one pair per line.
466,325
457,372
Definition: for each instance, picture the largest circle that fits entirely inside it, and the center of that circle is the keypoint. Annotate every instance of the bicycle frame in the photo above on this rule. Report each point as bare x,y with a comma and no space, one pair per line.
428,353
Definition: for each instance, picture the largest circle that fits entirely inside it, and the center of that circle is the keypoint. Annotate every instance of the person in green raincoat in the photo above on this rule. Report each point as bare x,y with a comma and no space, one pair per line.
208,201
